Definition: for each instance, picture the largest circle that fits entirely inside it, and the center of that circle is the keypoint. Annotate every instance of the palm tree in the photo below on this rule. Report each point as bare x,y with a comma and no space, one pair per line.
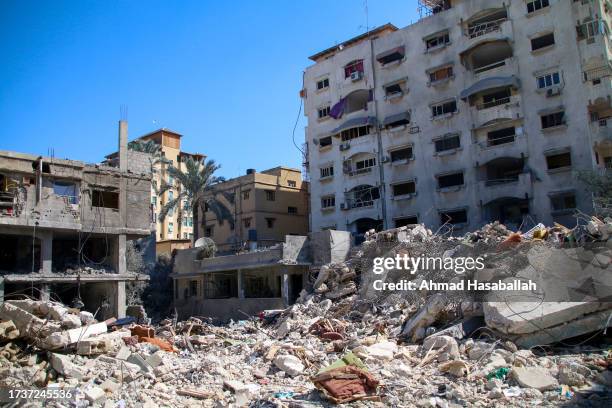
196,186
153,150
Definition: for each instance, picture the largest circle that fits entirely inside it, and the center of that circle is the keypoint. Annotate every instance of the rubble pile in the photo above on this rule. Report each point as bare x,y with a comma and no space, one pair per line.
342,343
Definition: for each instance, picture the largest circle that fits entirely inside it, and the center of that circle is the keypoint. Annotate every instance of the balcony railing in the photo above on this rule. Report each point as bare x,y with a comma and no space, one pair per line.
496,102
489,67
499,141
485,28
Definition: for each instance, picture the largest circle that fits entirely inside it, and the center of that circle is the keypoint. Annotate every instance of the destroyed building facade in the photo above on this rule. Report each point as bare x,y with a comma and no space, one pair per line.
480,111
64,225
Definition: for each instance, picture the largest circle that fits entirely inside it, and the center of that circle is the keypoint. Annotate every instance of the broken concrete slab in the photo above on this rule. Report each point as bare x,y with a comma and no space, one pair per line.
290,364
140,362
414,328
534,377
64,365
85,332
8,331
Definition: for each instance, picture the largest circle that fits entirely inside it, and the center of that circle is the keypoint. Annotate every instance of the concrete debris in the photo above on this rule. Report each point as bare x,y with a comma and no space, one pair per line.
343,342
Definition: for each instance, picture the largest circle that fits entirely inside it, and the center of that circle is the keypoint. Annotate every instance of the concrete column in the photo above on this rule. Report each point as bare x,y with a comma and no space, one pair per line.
121,264
46,251
45,292
121,299
240,284
285,288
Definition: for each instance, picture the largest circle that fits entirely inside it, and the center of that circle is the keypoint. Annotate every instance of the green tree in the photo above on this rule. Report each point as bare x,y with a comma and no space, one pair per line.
196,185
153,150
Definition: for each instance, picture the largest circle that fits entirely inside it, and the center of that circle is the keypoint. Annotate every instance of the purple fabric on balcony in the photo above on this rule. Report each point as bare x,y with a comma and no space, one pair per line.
337,110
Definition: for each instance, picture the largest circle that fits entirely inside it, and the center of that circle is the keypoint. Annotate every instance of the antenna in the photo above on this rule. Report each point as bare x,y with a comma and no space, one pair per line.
365,3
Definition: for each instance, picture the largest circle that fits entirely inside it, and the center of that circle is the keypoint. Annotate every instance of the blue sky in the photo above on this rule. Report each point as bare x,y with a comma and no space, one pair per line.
224,74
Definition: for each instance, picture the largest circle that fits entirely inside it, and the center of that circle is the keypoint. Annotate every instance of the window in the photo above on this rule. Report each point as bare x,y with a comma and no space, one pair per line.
450,180
270,195
553,120
354,133
292,210
327,171
185,235
105,199
270,222
397,121
562,202
193,288
170,229
536,5
67,190
209,231
453,217
607,162
438,40
328,201
591,29
246,194
501,136
291,183
545,40
444,108
365,164
440,74
170,180
324,112
402,222
322,84
448,143
170,195
154,184
354,66
393,55
401,189
401,154
154,202
548,80
559,161
247,222
325,141
393,90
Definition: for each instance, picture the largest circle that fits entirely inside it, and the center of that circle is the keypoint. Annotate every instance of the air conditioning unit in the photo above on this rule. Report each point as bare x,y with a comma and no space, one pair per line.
356,75
386,159
553,91
344,146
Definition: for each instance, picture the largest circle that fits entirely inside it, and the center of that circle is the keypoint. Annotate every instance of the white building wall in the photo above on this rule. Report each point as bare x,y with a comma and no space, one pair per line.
568,54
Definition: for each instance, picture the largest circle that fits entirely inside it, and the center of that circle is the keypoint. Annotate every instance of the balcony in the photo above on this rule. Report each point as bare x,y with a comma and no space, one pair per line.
495,189
504,108
488,24
514,146
602,132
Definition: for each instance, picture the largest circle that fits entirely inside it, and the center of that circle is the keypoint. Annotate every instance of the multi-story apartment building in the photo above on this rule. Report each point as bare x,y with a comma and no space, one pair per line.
265,207
178,224
482,110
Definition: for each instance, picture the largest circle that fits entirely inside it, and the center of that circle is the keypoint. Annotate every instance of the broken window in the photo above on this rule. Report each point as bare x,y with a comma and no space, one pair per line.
353,67
270,222
501,136
590,29
220,285
401,154
545,40
394,90
441,74
105,199
453,217
553,120
209,231
328,201
327,171
401,189
558,161
67,190
292,210
247,222
536,5
362,196
448,143
170,229
270,195
402,222
246,194
548,80
438,40
354,133
291,183
45,167
325,141
261,285
450,180
324,112
444,108
193,288
322,84
561,202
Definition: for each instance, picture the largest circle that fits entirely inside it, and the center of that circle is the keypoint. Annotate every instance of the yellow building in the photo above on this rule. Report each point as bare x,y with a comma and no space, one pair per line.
266,206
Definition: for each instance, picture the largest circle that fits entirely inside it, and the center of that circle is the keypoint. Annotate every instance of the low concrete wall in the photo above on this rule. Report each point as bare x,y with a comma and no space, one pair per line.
225,309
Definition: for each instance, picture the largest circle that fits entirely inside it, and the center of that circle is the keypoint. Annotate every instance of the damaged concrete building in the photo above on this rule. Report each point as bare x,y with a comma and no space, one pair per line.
231,286
64,225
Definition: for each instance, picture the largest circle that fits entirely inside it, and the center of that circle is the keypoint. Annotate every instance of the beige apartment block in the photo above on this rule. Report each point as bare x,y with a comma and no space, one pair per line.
178,224
482,110
265,206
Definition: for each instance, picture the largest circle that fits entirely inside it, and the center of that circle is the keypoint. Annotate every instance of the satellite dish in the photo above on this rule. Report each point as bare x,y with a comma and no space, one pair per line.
200,242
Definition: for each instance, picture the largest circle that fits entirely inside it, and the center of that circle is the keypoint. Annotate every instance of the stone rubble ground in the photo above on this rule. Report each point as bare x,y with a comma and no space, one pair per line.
337,344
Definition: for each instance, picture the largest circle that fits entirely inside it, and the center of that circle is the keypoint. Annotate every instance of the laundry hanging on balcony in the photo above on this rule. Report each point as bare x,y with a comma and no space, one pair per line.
337,110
